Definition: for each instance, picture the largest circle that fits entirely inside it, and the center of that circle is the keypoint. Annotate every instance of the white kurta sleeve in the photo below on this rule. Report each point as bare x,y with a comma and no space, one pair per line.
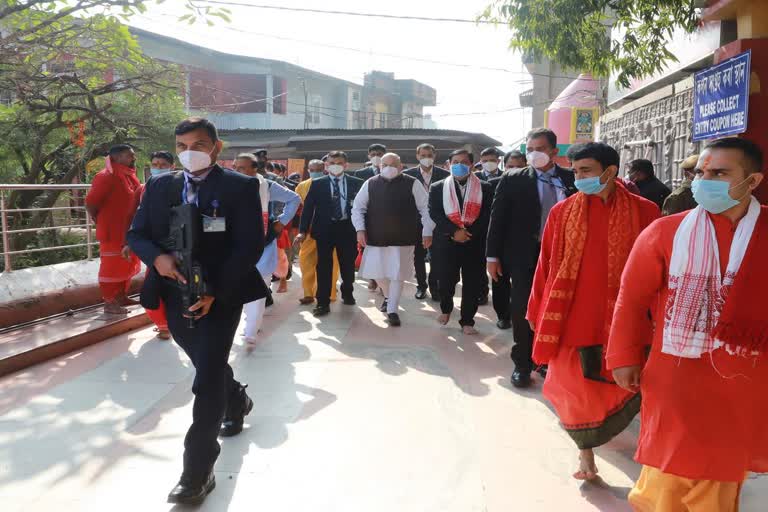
360,208
422,203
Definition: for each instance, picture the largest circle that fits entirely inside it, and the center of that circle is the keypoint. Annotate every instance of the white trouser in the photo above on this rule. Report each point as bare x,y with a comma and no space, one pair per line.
392,291
254,312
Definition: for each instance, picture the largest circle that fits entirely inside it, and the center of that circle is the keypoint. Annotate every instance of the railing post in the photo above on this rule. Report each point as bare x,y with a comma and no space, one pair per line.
88,234
4,225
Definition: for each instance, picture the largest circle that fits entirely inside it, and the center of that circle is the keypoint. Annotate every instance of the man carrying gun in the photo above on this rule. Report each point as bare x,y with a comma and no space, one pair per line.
204,269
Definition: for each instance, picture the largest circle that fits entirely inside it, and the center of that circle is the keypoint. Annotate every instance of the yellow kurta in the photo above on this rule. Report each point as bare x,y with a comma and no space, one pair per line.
308,256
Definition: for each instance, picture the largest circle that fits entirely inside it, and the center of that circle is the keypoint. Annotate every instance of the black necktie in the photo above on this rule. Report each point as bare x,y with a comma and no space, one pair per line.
337,214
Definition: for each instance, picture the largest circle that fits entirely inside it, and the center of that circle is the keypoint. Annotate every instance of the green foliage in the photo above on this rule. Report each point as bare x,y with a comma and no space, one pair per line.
576,33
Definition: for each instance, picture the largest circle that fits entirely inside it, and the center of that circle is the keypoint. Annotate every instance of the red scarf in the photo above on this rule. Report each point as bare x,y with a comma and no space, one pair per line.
473,201
569,242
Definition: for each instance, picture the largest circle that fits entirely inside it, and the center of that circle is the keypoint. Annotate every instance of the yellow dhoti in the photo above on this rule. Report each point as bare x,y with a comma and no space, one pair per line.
308,266
656,491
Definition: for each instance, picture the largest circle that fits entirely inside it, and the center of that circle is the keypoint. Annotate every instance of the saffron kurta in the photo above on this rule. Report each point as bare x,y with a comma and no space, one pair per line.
704,418
114,194
308,256
591,410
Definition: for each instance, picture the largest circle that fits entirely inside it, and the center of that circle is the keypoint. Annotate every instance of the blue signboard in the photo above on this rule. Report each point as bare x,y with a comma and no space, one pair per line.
721,98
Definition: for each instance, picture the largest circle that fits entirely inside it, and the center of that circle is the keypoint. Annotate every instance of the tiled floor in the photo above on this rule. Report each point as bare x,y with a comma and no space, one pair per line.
350,416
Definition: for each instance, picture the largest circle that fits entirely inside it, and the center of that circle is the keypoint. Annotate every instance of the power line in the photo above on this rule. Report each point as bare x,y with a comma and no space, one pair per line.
350,13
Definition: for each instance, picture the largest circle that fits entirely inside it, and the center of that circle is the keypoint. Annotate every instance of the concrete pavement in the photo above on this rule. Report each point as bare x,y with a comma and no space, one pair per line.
350,415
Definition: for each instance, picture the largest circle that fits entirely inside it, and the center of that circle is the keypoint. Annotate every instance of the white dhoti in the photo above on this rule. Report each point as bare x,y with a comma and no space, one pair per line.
390,267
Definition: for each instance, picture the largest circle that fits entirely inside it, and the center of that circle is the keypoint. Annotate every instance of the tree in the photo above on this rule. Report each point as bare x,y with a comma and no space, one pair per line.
576,33
75,82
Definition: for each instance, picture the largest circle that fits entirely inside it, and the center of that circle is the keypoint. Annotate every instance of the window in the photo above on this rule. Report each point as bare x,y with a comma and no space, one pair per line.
227,92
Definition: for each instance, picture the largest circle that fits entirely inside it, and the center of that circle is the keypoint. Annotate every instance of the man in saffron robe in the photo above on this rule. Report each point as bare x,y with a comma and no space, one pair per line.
701,273
585,245
111,203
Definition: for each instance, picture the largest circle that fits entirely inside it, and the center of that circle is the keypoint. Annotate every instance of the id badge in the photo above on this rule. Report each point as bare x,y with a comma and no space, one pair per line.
214,224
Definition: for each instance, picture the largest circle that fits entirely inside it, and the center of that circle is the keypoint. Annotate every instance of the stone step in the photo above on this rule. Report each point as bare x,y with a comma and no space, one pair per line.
39,342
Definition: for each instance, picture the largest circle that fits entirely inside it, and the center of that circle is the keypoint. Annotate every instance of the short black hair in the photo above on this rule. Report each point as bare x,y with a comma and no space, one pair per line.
490,151
461,152
338,154
119,148
600,151
642,165
753,155
426,145
260,151
543,132
165,155
514,154
575,148
377,147
195,123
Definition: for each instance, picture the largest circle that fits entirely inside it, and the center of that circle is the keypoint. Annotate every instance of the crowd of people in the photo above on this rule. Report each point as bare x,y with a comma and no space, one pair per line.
619,310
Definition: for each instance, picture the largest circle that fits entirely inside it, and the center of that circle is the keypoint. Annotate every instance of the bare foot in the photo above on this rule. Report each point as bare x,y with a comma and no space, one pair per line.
587,468
469,330
113,308
444,318
250,344
164,334
283,286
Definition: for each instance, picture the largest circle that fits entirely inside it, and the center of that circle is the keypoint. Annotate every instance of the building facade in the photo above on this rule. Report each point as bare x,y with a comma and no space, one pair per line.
239,92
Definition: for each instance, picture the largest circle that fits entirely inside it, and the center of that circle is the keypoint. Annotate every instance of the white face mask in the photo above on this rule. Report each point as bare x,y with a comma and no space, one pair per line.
490,167
376,160
336,170
194,161
427,162
537,159
390,172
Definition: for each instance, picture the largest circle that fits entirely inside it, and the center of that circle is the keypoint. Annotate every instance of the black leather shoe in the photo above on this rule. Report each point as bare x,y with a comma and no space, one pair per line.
349,301
483,301
421,293
321,311
383,307
521,379
233,421
393,319
504,324
542,370
191,492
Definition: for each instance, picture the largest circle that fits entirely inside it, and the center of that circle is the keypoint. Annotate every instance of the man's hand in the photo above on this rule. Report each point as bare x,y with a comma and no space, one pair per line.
628,377
494,269
362,238
278,227
203,305
462,236
426,242
126,253
533,327
165,264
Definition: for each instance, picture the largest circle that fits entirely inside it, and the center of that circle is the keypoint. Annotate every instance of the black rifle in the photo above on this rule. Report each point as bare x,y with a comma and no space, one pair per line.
185,231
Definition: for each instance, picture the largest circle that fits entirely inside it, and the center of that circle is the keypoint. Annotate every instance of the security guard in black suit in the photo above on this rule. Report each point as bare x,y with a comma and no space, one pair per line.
375,152
230,244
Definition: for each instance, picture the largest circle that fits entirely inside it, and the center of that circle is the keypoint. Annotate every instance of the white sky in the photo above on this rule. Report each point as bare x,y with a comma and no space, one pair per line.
482,92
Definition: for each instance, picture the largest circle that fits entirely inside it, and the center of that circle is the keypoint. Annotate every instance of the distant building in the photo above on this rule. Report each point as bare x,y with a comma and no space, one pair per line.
239,92
549,80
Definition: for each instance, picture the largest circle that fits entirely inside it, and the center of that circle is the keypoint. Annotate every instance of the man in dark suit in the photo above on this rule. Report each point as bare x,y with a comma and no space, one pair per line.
490,163
652,188
231,240
427,174
461,216
327,215
520,208
375,152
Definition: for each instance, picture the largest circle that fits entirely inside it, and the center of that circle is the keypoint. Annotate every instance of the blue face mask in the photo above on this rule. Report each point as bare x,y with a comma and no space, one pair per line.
713,195
459,170
316,174
158,172
591,185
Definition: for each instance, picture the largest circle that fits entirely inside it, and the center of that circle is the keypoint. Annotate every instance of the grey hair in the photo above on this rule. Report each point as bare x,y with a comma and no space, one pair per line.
399,162
315,162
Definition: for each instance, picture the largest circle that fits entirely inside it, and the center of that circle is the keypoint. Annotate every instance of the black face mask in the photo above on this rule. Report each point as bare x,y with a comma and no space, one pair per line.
261,165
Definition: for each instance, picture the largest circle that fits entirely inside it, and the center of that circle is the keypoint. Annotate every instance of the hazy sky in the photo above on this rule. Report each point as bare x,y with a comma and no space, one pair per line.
399,46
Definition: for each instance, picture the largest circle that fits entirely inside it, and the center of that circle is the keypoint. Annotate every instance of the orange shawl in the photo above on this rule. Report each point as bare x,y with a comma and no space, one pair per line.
569,241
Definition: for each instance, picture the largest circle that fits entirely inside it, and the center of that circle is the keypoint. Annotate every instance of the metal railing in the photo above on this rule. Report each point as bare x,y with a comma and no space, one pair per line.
7,214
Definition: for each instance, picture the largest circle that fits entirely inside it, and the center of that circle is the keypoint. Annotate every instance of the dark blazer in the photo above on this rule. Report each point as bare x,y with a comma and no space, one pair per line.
654,190
228,258
438,173
365,173
317,211
444,228
482,176
513,233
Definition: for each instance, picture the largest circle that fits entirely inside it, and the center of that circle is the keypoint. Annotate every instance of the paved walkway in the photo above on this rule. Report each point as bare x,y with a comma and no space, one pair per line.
350,416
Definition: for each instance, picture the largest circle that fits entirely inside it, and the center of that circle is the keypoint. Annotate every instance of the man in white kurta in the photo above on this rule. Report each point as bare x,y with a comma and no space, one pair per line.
386,215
